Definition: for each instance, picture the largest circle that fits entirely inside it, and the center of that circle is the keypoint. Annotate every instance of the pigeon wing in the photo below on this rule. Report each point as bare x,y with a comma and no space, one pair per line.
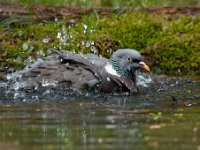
72,71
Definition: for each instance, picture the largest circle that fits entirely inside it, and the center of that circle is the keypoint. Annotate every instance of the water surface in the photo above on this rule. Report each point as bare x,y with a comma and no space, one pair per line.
164,115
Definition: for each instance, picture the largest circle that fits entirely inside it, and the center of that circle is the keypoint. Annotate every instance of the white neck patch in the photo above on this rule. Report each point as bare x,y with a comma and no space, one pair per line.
109,69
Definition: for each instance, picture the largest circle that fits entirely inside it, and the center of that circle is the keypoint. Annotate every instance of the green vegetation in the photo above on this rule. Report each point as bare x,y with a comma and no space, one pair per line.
173,43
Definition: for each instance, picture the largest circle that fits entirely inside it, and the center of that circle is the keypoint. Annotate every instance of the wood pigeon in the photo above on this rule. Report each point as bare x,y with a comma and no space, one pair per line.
89,71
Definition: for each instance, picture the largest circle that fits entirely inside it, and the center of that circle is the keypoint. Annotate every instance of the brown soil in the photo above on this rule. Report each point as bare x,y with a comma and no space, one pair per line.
45,13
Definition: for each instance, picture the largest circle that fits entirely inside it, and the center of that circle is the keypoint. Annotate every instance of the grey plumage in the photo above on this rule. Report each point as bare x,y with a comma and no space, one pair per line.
88,71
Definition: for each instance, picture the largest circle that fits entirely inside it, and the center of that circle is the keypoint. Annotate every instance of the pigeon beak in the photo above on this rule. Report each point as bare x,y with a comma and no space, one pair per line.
144,66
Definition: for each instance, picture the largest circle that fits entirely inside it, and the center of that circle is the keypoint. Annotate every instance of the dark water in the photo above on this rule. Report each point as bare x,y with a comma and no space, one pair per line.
166,115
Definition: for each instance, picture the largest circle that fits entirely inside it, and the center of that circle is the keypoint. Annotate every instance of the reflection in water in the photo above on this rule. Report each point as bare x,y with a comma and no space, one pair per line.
77,124
104,121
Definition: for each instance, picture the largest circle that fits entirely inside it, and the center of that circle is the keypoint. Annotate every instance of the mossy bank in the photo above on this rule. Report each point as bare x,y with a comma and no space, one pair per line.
171,44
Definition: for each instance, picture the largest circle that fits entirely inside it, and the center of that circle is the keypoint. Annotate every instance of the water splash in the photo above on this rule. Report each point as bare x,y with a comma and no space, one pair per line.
51,89
63,36
143,80
15,81
29,61
46,83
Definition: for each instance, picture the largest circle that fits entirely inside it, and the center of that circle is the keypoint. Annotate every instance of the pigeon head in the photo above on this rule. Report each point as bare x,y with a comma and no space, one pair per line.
124,61
122,66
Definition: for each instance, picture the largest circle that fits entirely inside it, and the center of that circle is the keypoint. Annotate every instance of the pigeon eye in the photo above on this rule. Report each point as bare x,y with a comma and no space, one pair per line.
129,58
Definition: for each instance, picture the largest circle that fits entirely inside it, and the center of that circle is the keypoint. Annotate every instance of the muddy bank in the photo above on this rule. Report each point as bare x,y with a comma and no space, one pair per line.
42,12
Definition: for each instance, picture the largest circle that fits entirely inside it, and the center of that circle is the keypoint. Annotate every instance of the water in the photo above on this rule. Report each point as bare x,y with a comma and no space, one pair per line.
163,115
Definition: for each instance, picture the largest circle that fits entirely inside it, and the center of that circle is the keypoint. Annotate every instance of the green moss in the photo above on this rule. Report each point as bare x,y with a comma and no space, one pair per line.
174,43
178,50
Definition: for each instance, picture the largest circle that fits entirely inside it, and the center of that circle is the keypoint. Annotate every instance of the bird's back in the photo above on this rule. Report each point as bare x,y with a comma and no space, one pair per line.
75,71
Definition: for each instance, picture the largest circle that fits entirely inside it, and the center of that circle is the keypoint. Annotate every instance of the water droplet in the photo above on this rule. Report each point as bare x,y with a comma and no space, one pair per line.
49,83
85,28
25,46
94,49
108,79
20,33
87,44
91,31
28,61
83,43
46,40
40,53
59,34
31,48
